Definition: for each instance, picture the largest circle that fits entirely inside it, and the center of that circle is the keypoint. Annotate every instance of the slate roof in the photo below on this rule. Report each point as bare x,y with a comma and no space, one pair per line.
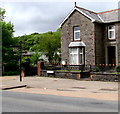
110,16
102,17
105,17
91,14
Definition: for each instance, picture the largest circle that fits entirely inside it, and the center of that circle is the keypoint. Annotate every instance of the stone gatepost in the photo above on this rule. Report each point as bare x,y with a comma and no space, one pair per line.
40,65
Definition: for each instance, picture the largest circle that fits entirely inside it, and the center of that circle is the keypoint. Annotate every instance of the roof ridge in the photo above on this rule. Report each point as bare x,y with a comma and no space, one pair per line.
85,9
108,11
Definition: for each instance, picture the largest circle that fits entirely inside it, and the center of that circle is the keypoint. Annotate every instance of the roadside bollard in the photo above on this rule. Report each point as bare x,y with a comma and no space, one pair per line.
79,75
91,77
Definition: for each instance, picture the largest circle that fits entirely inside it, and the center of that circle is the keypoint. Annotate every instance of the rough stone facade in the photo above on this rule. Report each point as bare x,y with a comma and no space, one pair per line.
95,37
86,34
99,44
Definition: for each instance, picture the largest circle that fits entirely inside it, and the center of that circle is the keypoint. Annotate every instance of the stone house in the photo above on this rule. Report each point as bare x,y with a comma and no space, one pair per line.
90,38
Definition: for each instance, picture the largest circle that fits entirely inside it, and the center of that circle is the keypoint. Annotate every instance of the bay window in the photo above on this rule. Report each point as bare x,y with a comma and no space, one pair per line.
77,56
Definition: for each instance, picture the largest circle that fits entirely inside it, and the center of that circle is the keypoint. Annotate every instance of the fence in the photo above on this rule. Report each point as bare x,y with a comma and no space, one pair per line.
88,68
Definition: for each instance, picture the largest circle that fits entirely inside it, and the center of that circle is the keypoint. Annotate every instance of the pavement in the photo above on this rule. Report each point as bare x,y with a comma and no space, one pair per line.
61,87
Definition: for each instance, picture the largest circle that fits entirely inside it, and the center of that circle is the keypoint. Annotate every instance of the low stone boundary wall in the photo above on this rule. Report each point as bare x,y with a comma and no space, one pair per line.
106,77
76,75
60,74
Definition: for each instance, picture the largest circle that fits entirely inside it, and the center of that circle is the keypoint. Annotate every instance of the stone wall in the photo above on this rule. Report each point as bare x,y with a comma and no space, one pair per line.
86,35
99,44
76,75
59,74
106,77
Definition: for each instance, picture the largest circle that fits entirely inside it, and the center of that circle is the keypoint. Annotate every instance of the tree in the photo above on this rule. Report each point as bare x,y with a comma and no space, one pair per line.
2,13
34,58
8,56
48,44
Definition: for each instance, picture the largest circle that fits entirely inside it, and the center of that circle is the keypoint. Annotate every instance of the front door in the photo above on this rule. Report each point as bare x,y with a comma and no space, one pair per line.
111,55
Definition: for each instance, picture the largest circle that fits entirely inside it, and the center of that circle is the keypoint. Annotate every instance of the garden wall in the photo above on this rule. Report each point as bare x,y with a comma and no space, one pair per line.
76,75
106,77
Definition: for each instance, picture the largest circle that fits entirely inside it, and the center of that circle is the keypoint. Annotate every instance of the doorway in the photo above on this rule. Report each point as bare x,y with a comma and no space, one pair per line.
111,55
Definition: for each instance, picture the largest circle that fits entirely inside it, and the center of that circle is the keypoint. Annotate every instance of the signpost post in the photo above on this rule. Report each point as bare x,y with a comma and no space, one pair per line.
19,48
20,60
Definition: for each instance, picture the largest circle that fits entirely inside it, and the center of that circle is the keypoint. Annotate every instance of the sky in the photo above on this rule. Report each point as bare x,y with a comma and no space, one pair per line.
41,16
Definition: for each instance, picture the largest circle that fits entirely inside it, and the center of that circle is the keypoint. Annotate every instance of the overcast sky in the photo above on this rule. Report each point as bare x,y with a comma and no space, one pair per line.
40,17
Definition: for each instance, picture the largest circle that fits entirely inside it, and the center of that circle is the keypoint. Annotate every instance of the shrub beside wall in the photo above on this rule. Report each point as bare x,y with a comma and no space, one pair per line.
117,69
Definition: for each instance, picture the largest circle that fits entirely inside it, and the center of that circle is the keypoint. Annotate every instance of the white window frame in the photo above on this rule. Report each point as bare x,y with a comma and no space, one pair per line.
78,53
81,60
111,30
73,53
76,31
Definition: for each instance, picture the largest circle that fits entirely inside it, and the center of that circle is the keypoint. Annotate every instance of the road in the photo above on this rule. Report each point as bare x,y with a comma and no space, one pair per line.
27,102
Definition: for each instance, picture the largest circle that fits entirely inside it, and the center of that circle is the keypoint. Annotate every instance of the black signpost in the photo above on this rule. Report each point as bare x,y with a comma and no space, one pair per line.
19,48
20,60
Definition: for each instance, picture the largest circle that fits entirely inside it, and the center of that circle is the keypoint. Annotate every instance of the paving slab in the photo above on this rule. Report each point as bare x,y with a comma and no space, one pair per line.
11,82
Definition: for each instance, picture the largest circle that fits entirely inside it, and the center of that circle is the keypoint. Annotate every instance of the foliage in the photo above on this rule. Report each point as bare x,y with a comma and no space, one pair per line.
8,56
7,43
2,13
47,43
10,73
117,68
35,58
97,69
30,61
50,44
25,59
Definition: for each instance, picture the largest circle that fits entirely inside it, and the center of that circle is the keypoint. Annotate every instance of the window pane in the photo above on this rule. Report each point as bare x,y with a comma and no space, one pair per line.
73,50
81,56
111,34
111,27
73,59
77,35
76,28
81,50
74,56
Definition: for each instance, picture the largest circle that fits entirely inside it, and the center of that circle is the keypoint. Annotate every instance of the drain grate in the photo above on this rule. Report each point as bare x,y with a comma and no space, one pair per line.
108,89
28,87
95,92
79,87
65,90
96,103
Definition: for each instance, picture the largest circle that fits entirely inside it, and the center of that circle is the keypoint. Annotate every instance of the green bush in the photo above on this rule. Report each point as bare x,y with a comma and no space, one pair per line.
10,73
117,69
97,69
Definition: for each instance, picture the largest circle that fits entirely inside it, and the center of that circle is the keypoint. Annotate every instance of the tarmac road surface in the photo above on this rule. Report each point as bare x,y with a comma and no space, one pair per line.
28,102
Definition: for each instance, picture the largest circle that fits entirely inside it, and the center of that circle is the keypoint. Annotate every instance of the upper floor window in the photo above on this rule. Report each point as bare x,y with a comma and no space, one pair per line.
77,33
111,32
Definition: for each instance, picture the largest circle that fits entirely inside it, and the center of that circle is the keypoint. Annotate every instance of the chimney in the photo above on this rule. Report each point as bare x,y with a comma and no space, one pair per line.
75,4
